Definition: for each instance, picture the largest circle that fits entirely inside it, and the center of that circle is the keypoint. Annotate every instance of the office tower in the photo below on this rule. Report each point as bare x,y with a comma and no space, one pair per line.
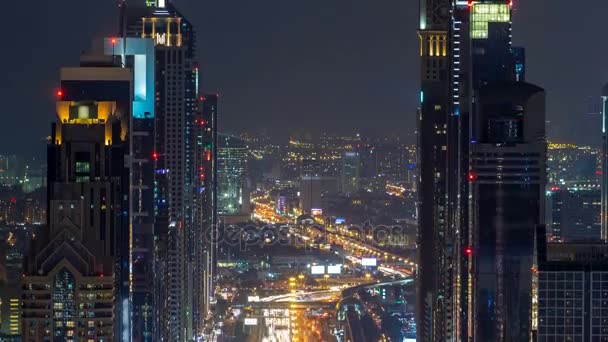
176,79
137,54
433,278
232,187
310,186
209,219
76,282
481,55
508,163
604,182
572,291
201,255
351,163
575,212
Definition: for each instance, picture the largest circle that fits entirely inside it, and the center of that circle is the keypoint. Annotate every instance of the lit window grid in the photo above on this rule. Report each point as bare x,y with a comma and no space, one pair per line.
599,306
561,306
483,14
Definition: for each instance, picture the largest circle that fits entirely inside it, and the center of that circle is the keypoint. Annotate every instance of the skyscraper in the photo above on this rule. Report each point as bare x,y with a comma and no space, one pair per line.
508,166
310,186
175,183
209,163
604,183
137,54
232,175
465,47
77,276
434,263
351,166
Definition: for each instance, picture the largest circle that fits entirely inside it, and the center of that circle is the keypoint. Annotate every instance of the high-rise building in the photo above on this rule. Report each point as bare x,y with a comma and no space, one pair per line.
572,291
351,165
575,212
176,180
232,176
604,182
310,186
508,166
137,54
433,283
76,282
465,47
207,160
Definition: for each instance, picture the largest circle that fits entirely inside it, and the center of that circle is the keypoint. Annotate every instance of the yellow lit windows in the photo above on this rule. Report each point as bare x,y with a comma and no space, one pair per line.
482,14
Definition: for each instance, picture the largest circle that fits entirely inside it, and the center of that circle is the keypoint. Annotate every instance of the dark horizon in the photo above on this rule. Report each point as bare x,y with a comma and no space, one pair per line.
340,66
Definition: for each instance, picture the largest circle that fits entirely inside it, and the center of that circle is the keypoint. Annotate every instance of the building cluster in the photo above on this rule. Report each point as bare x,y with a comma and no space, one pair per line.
19,173
574,196
130,202
486,269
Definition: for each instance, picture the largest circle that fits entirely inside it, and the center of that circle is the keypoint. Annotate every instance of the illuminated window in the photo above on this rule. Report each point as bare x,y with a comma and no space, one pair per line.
482,14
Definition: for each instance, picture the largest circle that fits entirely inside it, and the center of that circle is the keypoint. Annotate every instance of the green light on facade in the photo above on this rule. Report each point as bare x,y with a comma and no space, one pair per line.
151,3
483,14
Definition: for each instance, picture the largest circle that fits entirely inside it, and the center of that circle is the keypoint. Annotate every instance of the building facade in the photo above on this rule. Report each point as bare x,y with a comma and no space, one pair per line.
76,282
508,166
572,292
575,212
177,266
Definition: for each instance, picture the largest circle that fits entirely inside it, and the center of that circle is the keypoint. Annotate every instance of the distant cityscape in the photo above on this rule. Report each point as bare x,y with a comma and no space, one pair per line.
148,221
340,181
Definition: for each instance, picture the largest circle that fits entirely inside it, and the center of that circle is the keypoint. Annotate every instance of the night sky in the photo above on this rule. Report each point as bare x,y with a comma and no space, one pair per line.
287,66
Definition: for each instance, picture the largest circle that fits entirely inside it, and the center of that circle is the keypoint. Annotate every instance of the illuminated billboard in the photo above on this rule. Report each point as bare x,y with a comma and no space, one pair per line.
369,262
251,321
316,212
334,269
317,269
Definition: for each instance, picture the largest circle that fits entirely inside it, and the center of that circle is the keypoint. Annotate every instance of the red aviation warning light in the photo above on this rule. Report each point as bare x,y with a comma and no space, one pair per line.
468,251
472,176
154,155
59,93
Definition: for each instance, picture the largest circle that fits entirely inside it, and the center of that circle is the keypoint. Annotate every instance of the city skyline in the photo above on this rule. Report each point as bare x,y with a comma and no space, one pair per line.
262,74
238,171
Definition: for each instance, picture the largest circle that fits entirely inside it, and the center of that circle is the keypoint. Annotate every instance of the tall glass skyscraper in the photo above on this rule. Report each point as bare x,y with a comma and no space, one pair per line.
177,266
351,166
137,54
465,47
232,175
433,283
508,177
